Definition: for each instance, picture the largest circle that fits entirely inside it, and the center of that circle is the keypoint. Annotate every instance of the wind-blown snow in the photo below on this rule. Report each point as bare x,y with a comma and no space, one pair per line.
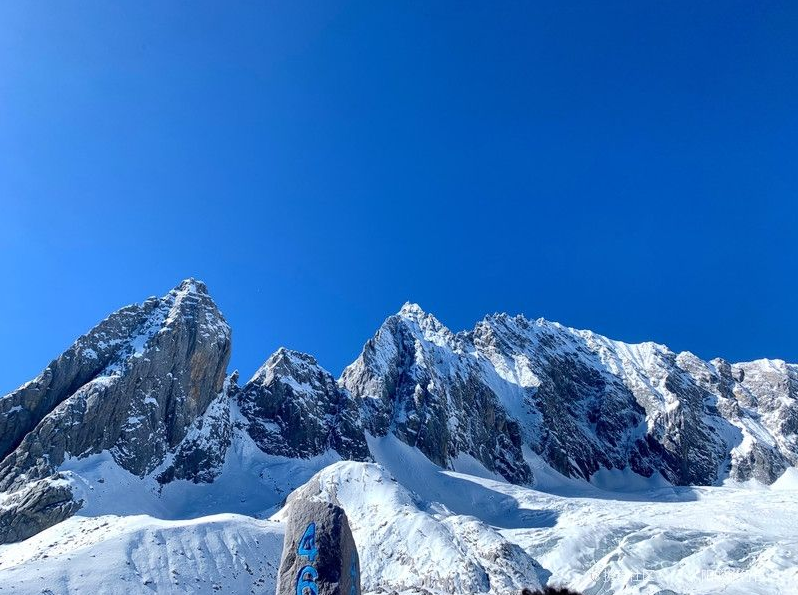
139,554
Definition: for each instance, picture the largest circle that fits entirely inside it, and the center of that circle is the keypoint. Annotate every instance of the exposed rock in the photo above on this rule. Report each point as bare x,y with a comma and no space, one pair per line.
296,409
23,409
200,455
318,549
133,386
37,505
578,400
416,380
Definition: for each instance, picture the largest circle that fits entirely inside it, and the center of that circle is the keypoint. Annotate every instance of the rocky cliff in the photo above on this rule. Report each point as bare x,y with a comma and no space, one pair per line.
295,408
134,385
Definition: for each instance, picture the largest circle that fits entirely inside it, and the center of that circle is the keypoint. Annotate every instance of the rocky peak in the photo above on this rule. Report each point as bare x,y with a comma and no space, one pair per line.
295,408
417,380
420,325
133,386
286,364
190,286
412,310
579,400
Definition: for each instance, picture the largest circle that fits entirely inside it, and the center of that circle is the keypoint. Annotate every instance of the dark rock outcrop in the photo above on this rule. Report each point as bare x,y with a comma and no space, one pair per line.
296,409
36,506
200,455
416,380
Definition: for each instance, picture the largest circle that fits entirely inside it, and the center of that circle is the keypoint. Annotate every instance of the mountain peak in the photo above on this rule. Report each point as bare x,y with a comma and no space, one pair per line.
291,357
284,362
191,285
412,311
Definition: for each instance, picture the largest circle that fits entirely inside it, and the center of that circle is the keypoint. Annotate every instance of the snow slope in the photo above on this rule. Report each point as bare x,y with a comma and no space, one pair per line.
139,554
423,529
406,543
658,539
250,482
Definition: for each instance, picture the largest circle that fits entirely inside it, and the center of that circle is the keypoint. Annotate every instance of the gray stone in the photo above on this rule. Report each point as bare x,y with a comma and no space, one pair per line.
37,505
319,553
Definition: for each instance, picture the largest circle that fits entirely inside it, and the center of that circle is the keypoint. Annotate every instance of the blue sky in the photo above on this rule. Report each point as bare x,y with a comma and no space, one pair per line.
629,167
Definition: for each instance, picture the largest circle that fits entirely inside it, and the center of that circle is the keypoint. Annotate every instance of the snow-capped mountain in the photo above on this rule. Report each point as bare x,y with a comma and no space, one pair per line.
456,444
578,400
133,386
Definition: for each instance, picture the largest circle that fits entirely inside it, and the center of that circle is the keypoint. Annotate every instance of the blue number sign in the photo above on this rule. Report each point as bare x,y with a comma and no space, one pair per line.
306,579
307,545
353,574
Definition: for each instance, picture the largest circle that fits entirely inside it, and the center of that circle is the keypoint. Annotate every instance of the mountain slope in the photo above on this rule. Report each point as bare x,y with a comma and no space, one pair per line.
578,400
132,386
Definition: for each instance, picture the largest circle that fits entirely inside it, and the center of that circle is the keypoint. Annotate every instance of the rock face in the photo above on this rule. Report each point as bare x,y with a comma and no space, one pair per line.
576,400
134,386
296,409
200,455
319,552
36,506
417,380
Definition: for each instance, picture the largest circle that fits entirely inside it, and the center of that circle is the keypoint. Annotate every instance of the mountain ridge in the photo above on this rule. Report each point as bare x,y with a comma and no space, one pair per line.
149,385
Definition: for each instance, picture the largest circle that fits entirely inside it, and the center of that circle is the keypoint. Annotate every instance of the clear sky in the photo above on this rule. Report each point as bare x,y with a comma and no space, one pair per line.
629,167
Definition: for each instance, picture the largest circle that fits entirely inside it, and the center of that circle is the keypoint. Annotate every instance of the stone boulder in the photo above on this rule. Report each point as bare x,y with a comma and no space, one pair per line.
319,552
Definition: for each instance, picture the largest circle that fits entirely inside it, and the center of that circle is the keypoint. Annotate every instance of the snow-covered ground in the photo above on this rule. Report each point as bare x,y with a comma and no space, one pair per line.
139,554
653,539
444,531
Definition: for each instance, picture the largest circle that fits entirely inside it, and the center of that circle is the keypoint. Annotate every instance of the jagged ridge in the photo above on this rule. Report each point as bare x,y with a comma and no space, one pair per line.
148,386
578,400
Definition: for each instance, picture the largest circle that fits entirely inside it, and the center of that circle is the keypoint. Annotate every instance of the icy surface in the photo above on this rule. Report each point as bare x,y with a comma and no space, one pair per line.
697,541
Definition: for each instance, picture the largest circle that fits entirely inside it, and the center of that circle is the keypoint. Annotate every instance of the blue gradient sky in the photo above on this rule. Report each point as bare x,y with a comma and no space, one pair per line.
629,167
